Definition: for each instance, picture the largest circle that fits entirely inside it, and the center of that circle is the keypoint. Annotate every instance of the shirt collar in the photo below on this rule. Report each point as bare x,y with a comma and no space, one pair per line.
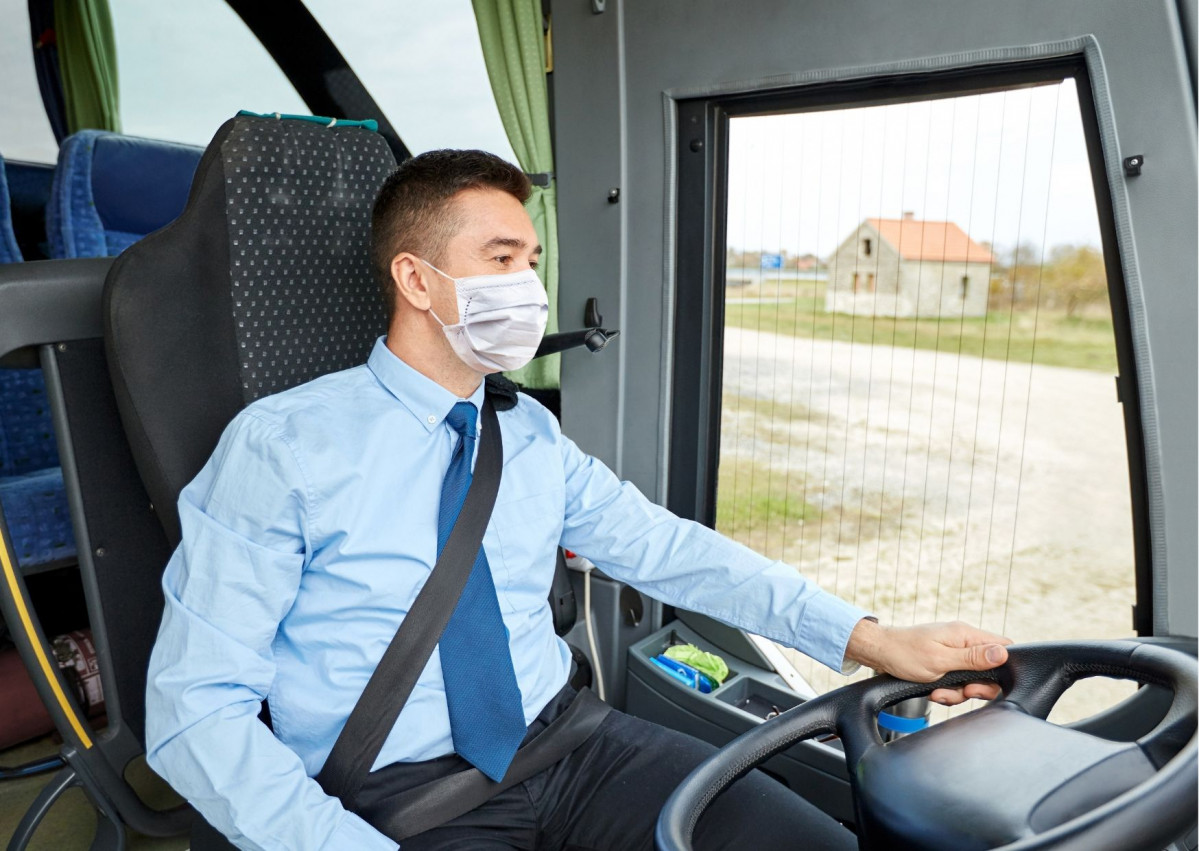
424,398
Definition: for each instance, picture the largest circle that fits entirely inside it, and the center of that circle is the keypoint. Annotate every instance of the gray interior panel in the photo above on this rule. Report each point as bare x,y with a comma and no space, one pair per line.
668,49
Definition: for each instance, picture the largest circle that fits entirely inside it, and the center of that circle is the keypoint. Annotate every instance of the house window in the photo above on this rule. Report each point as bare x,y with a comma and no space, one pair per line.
855,282
869,282
965,286
866,247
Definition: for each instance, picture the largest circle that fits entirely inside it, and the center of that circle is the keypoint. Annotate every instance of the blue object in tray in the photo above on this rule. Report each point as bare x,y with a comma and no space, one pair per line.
685,674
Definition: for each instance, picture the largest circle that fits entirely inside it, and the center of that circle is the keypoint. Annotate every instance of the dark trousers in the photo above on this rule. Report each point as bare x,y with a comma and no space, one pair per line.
607,794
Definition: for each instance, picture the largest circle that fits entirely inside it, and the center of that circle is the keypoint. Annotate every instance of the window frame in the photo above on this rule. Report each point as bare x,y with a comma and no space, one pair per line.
700,239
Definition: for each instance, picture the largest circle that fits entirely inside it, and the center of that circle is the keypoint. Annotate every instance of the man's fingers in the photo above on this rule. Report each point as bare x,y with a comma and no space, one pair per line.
947,696
983,657
971,691
982,691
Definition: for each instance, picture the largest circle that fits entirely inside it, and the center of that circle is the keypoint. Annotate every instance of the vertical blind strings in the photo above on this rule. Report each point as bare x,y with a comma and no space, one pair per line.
1032,359
1006,364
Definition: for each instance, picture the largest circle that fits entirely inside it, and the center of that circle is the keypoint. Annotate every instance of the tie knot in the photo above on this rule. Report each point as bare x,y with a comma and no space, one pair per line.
461,419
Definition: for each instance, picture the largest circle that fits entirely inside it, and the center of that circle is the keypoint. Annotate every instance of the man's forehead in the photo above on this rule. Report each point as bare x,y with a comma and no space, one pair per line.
491,218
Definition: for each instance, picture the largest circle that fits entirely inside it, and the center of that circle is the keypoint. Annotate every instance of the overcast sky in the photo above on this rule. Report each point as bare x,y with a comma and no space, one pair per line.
1006,167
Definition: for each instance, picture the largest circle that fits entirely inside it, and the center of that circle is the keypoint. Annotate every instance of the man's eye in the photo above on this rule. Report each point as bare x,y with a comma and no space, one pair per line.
533,264
504,259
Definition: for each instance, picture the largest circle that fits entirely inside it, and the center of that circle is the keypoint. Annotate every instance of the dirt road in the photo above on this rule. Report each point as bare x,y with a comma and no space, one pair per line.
943,486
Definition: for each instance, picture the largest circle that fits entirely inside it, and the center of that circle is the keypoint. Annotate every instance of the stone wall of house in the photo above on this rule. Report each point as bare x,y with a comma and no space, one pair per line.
878,290
906,288
934,288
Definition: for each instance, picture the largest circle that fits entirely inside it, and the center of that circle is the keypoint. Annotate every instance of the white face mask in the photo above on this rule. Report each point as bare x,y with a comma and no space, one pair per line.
503,319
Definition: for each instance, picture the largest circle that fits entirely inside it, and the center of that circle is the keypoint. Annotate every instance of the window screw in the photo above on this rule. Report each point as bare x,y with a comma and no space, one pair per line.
614,195
1132,165
101,552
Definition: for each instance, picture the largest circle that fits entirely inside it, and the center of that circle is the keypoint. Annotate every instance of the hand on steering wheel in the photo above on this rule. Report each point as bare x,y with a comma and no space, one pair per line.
999,777
927,652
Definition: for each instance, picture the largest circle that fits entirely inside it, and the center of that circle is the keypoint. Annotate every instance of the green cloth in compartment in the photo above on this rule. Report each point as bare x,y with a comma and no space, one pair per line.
706,663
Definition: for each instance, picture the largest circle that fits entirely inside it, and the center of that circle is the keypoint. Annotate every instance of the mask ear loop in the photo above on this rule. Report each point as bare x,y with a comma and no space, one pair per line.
444,275
433,313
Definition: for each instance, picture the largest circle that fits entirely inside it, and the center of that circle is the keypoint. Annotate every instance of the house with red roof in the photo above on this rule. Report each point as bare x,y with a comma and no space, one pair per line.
909,268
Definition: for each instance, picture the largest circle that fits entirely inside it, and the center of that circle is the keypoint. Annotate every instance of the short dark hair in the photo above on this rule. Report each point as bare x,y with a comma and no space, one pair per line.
412,211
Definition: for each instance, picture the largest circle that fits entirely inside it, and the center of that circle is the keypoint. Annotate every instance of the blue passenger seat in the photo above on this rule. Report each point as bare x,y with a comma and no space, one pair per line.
111,190
31,488
10,252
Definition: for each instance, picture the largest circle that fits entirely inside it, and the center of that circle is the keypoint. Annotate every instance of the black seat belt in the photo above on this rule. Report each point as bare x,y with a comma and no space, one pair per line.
387,691
375,713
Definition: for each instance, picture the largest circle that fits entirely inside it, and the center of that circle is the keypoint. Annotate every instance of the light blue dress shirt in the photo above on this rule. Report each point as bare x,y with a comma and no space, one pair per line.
307,536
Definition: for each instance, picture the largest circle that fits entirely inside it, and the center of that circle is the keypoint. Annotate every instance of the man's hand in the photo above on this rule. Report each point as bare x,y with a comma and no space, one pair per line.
928,652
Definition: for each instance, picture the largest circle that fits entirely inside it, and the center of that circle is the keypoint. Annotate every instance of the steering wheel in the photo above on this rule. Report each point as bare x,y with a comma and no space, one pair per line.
1001,777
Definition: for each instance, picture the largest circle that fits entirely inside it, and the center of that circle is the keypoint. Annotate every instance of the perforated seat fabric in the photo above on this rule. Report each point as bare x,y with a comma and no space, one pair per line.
262,283
26,430
38,518
10,252
111,190
31,487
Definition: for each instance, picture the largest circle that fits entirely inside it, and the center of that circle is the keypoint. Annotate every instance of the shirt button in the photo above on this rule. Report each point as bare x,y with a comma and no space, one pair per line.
432,419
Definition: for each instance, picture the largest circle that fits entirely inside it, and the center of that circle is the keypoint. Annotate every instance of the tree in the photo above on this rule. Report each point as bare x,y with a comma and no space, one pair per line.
1016,271
1074,277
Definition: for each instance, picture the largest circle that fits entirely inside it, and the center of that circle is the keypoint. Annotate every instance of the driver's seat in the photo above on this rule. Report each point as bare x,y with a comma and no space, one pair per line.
262,283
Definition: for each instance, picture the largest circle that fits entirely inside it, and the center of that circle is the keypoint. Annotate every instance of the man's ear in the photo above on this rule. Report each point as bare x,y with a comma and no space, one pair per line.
408,279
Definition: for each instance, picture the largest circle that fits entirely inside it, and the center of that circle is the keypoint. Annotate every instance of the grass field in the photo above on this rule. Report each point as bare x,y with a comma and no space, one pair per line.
1046,337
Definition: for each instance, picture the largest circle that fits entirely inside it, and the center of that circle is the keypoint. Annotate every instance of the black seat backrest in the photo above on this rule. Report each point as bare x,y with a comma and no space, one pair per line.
262,283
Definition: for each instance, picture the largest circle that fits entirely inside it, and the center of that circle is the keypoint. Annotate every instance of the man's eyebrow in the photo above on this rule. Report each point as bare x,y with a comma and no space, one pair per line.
507,242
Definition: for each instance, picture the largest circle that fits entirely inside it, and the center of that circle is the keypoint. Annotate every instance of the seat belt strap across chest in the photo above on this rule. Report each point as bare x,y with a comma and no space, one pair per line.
375,713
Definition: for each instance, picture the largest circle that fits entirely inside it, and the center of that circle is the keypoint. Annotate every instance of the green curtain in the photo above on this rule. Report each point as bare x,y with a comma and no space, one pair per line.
514,50
87,59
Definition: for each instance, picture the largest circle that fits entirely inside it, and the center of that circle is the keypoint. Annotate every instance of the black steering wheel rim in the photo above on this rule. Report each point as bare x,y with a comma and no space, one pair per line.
1032,680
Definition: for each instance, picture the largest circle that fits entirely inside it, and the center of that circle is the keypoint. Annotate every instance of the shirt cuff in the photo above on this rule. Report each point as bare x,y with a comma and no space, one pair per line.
824,633
354,834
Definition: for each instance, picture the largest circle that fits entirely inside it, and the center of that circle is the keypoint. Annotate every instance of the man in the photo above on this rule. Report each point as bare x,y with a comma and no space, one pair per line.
315,523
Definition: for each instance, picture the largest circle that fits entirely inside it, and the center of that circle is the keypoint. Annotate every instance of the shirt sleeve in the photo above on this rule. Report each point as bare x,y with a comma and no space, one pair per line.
686,564
245,521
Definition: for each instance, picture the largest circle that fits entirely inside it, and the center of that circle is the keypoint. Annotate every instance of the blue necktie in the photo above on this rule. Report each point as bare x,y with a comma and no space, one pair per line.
487,720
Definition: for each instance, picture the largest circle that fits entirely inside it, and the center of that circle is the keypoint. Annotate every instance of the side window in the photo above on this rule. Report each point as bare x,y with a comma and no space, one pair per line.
25,132
185,68
918,409
423,65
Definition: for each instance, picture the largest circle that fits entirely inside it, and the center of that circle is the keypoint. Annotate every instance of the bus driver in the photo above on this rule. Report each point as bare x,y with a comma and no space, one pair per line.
309,532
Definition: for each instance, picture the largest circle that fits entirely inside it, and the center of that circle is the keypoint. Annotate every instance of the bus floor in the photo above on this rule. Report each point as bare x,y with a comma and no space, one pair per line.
71,822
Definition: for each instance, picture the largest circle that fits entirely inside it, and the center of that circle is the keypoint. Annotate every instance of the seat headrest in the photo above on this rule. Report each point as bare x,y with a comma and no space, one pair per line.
111,190
262,283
